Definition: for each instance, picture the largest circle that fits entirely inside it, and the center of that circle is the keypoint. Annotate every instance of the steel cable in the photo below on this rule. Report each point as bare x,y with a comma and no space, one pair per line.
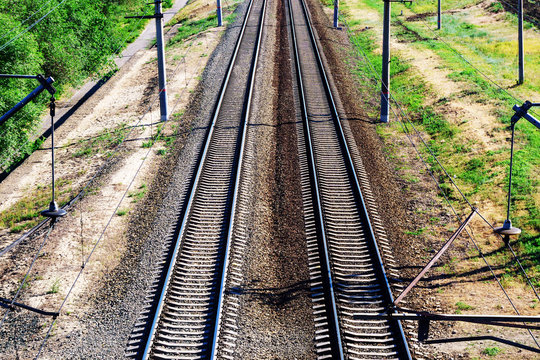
436,159
72,201
532,19
27,273
31,26
461,56
28,18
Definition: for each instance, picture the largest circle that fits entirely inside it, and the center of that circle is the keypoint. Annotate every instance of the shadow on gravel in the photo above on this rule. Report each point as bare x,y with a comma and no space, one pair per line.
275,296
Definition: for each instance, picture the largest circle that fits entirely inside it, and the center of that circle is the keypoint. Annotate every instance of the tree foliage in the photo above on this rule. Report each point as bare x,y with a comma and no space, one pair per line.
72,43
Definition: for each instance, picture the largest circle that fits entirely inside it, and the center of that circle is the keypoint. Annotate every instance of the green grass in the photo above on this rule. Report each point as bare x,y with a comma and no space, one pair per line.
26,212
417,232
491,351
55,287
106,140
138,194
482,175
460,305
192,27
122,212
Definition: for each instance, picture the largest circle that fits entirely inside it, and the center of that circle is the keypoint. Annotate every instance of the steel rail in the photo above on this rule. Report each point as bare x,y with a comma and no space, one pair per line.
337,347
193,188
354,178
237,183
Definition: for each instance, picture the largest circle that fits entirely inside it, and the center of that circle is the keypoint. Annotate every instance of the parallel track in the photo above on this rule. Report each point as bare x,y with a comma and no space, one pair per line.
348,277
185,316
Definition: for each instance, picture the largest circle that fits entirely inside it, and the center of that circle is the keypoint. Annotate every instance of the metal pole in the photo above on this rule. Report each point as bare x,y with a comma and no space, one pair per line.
439,15
336,13
53,211
510,174
161,63
219,19
520,42
52,109
27,99
385,86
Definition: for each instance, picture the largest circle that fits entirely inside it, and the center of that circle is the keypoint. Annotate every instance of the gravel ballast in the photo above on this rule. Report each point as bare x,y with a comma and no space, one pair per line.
117,304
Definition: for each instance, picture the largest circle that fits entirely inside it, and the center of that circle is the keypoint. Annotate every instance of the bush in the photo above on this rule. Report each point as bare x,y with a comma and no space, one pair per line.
73,42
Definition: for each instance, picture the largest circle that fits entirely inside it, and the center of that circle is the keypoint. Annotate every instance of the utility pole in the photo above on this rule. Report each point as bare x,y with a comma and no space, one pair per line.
520,42
219,19
438,14
158,16
161,62
385,83
336,13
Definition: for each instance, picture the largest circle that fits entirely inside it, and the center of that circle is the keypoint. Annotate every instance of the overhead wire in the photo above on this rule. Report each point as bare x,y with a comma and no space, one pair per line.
121,44
23,22
30,27
532,19
26,275
390,96
449,177
516,258
81,193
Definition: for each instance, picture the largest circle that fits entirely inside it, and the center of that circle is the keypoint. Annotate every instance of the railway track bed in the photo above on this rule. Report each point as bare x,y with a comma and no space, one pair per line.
200,277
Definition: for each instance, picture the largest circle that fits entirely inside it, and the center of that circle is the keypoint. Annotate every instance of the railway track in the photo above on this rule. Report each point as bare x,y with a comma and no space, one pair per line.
347,274
183,317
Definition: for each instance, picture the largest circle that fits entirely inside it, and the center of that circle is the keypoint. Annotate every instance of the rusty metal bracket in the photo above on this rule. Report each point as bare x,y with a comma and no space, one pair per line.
435,258
8,304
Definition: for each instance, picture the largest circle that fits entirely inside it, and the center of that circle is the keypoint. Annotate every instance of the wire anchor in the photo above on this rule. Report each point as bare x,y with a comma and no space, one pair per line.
521,112
53,211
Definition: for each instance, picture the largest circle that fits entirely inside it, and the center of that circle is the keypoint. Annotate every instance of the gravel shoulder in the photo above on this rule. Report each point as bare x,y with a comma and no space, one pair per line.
275,321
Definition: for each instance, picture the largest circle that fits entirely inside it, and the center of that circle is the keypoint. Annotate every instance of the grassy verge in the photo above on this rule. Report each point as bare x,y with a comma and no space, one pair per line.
191,26
480,172
26,212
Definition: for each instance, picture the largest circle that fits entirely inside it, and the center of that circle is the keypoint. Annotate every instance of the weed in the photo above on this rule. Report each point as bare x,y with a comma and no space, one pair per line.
495,7
121,212
192,27
55,287
491,351
106,140
463,306
416,232
138,194
26,212
412,179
